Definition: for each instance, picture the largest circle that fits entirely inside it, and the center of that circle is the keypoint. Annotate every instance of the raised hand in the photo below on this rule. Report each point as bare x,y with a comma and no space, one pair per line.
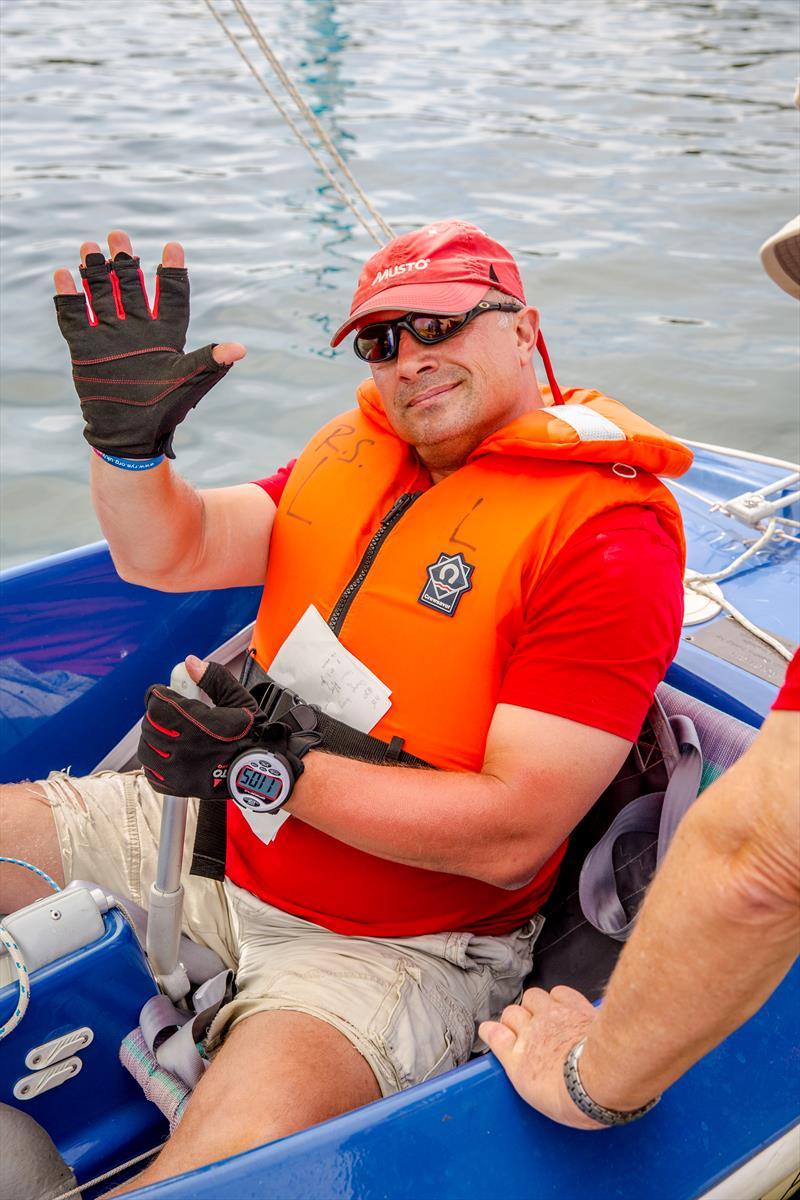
134,382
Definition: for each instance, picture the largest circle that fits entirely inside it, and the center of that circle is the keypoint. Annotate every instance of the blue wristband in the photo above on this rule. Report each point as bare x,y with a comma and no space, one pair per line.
129,464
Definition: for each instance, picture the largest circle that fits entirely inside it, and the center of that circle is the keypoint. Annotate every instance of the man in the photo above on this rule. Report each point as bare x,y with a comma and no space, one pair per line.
488,577
718,931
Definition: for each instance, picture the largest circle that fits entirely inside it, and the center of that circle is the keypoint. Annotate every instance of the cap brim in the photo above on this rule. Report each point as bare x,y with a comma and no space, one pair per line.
416,297
780,257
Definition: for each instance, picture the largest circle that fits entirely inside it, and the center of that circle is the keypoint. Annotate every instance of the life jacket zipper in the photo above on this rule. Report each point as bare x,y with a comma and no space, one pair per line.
342,606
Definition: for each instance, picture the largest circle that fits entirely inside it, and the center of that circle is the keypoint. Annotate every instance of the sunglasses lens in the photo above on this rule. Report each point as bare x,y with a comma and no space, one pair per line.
429,328
376,343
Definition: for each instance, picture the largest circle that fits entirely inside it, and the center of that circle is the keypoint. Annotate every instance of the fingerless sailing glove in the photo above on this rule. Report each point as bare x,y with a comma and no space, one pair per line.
186,747
134,382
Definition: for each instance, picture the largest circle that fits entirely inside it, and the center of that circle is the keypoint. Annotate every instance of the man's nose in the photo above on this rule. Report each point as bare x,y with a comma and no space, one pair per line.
413,356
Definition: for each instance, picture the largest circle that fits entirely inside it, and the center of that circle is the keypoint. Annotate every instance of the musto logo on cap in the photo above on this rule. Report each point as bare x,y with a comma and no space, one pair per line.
448,579
419,265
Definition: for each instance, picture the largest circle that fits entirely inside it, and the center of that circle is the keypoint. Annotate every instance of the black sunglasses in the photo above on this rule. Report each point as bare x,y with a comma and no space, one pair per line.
379,343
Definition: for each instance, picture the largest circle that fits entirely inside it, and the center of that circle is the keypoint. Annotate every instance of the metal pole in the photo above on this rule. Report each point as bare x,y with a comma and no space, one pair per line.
165,910
170,847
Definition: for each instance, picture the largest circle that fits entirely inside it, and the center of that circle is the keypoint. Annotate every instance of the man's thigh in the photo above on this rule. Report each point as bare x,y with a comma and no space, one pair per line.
409,1006
28,833
108,828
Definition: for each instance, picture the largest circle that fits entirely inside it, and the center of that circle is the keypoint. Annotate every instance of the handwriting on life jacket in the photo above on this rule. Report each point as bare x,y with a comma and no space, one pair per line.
454,536
344,450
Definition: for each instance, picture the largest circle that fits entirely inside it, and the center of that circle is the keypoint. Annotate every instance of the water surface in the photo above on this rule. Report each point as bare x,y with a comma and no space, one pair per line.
633,154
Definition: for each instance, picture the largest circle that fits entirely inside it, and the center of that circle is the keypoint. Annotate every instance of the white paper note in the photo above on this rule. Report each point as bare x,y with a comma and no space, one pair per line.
264,825
313,662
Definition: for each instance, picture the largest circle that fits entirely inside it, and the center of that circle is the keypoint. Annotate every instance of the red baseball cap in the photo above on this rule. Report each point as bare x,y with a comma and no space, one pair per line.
446,267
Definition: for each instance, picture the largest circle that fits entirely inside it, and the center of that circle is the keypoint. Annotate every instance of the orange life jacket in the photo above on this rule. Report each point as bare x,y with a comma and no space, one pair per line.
432,603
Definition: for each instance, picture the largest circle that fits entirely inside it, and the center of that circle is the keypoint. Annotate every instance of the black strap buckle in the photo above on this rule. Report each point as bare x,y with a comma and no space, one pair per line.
273,700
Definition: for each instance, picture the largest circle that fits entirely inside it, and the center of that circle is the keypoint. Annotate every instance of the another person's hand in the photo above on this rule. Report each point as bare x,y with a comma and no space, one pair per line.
134,382
532,1040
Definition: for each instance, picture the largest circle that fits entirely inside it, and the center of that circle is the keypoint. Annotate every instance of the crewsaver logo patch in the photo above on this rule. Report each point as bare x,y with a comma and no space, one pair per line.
448,579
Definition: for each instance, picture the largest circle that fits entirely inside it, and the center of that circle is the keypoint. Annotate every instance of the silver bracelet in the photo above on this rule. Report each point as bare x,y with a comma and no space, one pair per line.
582,1100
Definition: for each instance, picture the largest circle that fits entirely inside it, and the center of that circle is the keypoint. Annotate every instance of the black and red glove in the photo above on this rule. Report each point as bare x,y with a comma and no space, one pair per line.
134,382
186,747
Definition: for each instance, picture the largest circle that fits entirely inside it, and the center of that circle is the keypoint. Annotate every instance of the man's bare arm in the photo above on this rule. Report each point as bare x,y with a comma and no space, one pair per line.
540,774
161,532
164,534
717,933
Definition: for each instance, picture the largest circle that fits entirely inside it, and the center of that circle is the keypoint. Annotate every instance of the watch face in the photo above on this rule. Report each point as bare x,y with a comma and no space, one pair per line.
259,782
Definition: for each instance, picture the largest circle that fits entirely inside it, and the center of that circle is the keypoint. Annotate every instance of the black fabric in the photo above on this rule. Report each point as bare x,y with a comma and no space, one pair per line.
186,747
394,750
134,382
210,841
569,950
337,738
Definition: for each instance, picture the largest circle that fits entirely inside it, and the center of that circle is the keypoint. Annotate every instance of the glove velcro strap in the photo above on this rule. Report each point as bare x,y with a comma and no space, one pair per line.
210,839
279,704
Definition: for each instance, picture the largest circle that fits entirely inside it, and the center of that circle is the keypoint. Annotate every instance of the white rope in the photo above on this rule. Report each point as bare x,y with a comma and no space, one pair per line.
709,500
84,1187
23,983
722,505
780,485
310,116
347,200
697,586
713,577
20,862
746,454
17,957
702,585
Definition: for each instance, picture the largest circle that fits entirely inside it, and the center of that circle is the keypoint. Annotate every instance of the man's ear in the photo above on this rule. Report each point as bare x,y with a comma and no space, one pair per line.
527,333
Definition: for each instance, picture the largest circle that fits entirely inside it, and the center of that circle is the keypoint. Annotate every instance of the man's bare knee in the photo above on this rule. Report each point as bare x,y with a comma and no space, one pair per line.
27,831
277,1073
306,1069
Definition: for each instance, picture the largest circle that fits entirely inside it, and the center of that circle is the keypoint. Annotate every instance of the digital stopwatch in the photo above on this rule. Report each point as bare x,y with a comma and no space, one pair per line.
260,781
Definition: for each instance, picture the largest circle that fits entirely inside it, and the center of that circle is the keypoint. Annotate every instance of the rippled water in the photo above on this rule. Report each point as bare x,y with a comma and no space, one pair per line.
632,153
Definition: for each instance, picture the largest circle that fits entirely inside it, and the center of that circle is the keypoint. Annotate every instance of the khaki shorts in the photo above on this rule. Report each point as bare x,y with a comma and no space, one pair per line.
410,1006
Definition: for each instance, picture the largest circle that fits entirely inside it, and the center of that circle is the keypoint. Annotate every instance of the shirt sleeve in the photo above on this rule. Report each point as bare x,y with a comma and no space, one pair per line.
789,695
273,485
602,626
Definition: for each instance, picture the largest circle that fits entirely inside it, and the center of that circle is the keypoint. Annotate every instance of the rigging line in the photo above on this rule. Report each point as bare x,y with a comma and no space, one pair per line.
310,116
700,583
713,577
83,1187
673,483
291,123
697,585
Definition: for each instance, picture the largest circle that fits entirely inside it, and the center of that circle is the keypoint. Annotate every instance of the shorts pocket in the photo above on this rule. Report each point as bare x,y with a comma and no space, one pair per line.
420,1028
507,955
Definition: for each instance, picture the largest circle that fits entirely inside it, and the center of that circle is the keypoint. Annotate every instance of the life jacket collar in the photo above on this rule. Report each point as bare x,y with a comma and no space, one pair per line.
588,427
